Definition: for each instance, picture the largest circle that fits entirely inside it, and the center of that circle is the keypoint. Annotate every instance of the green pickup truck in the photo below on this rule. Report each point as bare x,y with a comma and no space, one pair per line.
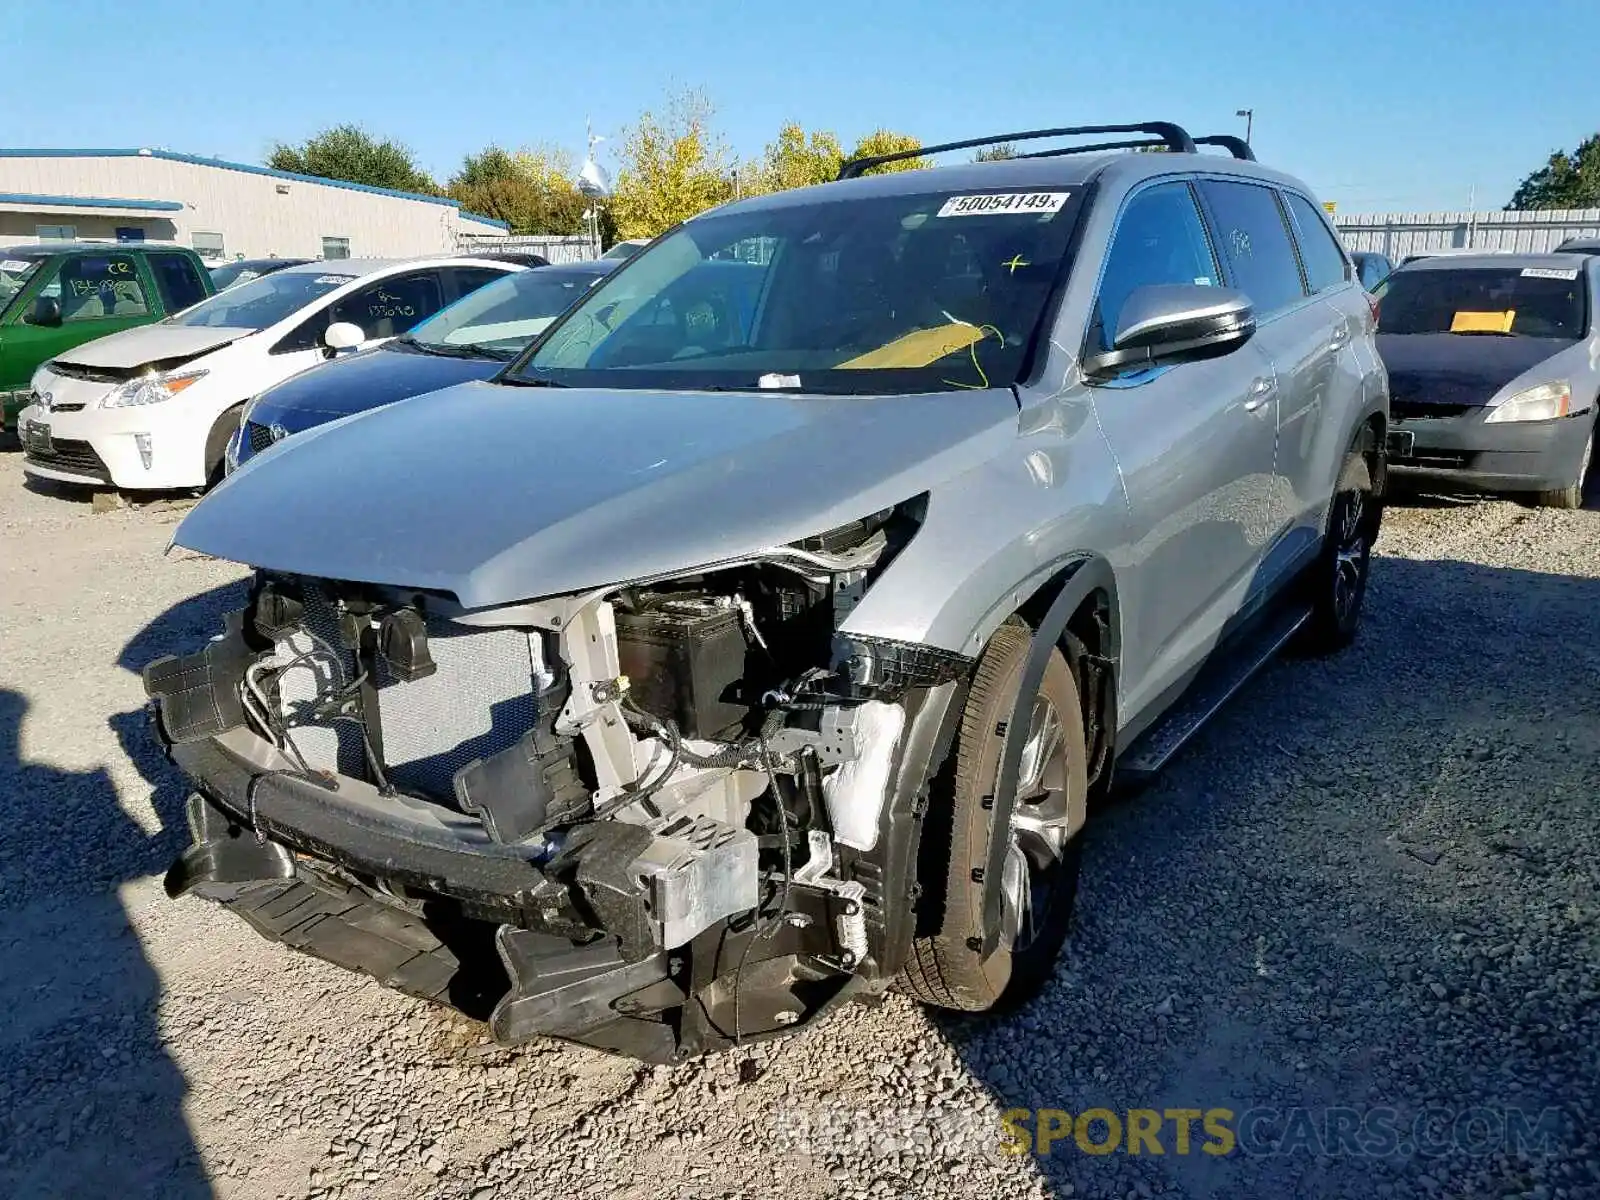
54,296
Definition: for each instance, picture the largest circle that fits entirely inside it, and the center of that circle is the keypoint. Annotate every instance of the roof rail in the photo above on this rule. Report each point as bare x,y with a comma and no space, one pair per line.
1174,137
1235,146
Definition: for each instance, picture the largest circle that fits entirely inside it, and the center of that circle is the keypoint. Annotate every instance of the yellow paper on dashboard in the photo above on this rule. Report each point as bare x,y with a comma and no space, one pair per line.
918,348
1483,322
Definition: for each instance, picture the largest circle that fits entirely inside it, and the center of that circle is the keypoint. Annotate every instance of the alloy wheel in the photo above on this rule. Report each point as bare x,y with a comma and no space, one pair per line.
1038,834
1350,555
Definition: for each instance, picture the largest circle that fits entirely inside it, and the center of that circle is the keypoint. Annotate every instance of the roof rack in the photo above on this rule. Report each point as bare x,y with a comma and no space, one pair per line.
1173,137
1235,146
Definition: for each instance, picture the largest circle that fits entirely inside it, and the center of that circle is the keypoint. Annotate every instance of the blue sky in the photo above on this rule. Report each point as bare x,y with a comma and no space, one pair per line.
1396,106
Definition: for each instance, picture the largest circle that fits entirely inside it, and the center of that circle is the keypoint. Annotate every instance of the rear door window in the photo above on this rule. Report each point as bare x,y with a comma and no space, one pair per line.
1160,238
177,280
1255,245
392,306
1319,252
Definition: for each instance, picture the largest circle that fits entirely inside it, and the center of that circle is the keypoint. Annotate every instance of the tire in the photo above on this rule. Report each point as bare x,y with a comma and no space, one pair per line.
217,445
944,969
1571,496
1337,582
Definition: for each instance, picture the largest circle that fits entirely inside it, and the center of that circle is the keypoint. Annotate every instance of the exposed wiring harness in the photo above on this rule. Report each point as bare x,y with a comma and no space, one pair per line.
328,705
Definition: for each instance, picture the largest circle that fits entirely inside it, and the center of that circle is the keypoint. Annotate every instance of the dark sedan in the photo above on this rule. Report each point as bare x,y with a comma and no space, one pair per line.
1494,371
472,339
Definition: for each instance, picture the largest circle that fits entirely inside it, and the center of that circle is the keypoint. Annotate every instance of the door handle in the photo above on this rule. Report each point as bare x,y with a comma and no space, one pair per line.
1260,392
1341,337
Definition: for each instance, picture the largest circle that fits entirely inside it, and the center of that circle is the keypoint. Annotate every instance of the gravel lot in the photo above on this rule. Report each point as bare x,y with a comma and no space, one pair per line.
1372,884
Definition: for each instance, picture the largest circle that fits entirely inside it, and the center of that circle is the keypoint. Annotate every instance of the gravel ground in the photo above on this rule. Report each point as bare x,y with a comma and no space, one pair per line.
1369,888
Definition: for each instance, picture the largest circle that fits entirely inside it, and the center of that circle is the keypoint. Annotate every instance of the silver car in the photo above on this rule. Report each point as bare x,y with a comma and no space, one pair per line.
761,637
1494,366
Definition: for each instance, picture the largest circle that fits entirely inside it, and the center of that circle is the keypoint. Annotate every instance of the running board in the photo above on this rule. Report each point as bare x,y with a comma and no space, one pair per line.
1216,684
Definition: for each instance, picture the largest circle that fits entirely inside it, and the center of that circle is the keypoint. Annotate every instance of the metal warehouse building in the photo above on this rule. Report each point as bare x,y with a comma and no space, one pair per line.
225,210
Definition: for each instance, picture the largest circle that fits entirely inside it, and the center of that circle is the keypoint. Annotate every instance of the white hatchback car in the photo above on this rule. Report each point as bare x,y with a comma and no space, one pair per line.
154,407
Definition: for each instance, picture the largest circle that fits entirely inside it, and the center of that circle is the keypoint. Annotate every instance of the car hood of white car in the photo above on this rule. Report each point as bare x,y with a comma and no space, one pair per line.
153,345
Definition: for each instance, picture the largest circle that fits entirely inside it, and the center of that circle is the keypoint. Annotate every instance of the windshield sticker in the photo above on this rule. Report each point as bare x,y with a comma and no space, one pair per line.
15,265
773,380
334,280
996,204
1483,322
1549,273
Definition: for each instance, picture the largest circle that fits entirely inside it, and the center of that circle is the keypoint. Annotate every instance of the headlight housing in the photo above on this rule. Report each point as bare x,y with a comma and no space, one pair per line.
150,389
1545,402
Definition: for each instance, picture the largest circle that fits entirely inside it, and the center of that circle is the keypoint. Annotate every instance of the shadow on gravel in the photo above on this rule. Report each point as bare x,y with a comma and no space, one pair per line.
90,1102
1369,886
182,629
76,492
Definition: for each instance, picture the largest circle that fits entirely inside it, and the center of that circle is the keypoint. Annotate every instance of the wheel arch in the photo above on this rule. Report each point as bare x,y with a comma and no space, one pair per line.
1075,610
1073,606
1365,464
217,437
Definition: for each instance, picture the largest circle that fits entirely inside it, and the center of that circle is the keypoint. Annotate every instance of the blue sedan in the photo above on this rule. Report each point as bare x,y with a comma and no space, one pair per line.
472,339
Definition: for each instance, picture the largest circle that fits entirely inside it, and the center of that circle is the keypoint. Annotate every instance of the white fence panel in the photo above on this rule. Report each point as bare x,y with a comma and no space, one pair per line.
558,249
1399,234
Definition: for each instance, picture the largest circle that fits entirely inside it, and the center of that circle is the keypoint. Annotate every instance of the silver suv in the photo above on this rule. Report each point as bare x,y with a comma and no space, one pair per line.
762,636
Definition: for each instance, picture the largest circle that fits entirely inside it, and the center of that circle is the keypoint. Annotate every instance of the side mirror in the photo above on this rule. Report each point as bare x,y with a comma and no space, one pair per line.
1166,323
343,335
46,311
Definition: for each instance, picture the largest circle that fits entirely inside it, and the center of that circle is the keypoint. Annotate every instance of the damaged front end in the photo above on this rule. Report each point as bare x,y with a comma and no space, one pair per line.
658,819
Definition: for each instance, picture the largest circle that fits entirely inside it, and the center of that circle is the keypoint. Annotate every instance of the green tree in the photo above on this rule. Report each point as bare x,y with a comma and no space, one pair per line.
1566,181
532,190
887,141
797,159
350,153
670,167
995,153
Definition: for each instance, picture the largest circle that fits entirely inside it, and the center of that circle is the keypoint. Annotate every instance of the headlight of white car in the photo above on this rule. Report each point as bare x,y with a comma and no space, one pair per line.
1543,403
150,389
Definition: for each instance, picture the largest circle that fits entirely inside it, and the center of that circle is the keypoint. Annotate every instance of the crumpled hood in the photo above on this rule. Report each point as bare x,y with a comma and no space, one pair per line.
145,344
498,493
362,381
1451,368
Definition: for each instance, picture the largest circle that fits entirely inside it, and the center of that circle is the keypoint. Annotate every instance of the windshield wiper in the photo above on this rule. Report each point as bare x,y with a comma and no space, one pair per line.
530,381
456,350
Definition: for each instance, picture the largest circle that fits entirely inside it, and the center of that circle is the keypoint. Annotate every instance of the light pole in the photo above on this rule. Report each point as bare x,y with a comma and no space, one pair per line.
1249,115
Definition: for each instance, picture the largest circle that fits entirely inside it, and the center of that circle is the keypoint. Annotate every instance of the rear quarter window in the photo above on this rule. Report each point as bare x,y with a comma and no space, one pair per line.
1324,261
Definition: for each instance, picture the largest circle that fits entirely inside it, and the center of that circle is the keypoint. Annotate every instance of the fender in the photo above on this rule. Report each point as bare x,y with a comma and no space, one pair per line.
1081,577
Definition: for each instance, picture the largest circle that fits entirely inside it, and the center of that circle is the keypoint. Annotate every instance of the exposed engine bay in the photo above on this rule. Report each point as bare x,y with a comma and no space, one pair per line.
681,805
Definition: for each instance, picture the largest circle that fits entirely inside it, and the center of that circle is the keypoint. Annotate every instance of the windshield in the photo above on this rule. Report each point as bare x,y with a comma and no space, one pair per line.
1540,302
501,318
926,292
14,275
261,302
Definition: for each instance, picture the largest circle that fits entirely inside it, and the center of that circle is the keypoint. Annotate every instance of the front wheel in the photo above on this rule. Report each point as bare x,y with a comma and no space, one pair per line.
1039,881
